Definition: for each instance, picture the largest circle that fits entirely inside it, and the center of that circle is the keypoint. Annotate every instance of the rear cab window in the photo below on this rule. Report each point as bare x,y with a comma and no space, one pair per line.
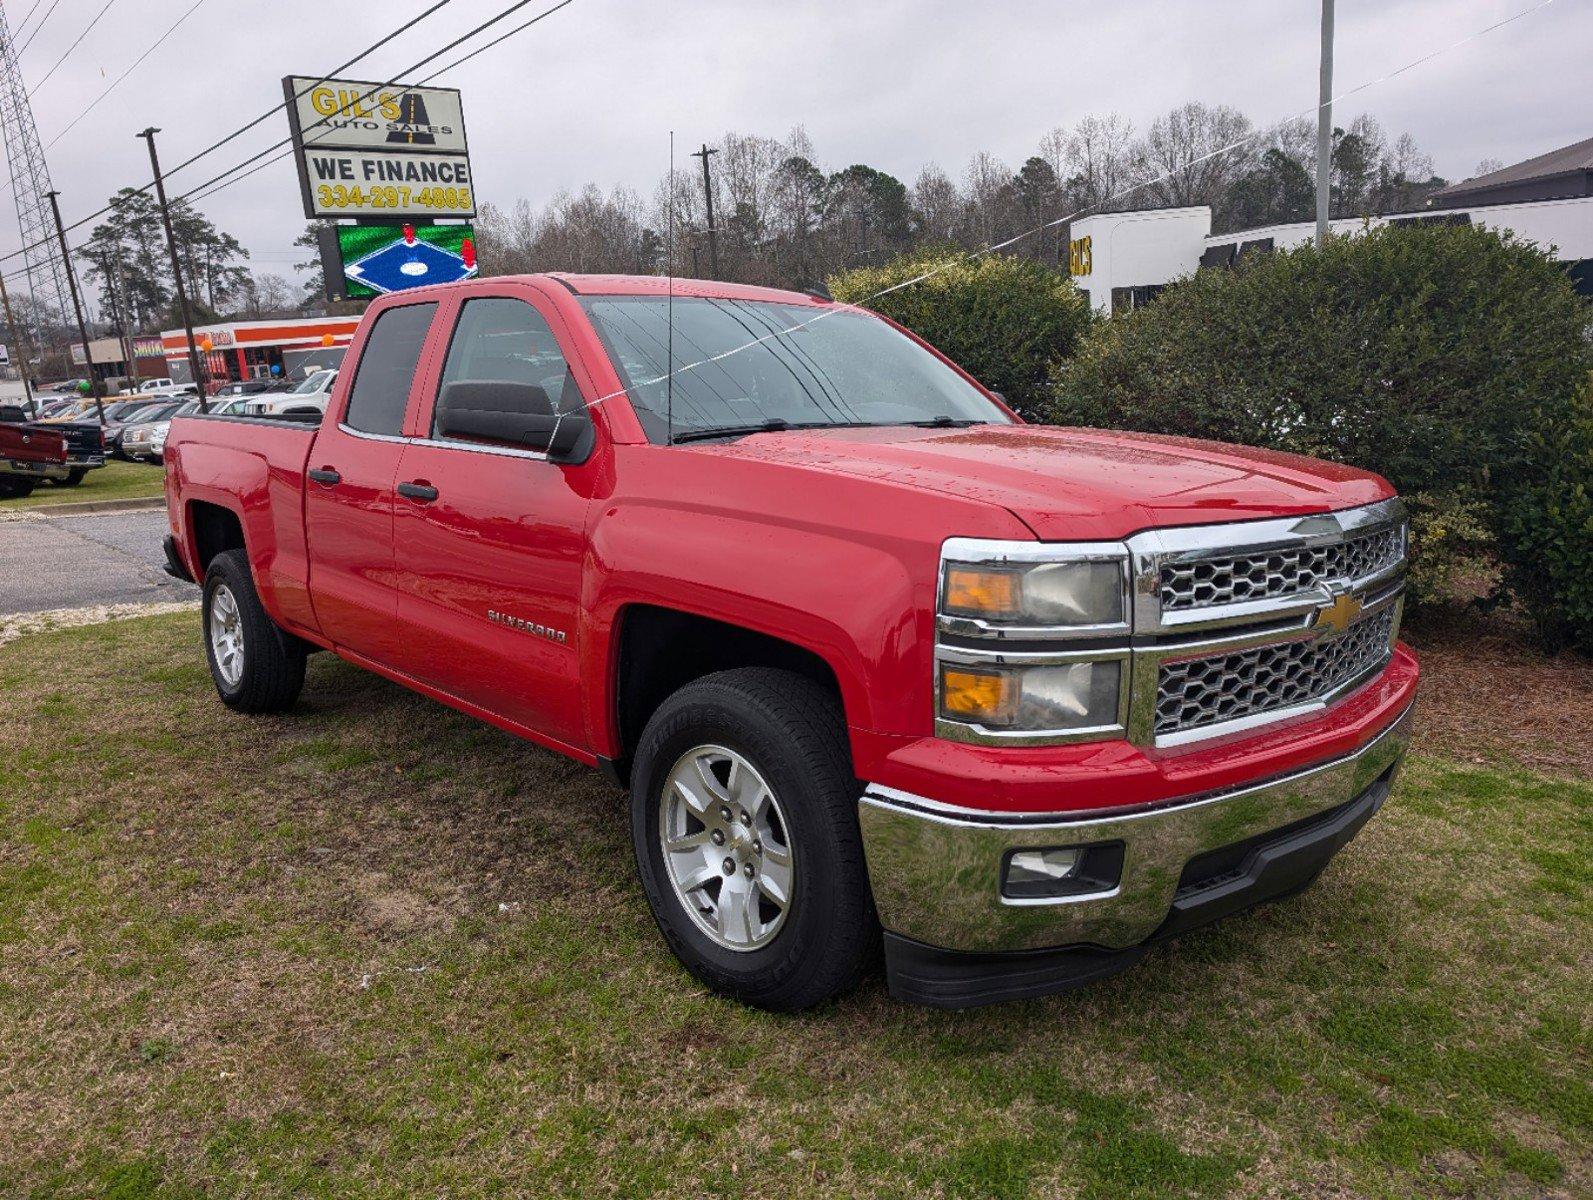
386,370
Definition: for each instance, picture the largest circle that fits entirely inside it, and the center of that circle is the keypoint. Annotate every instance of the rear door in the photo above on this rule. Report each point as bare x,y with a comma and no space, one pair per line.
496,534
348,496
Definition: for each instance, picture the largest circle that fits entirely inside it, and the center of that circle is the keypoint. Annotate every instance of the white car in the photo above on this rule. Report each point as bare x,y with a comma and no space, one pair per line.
310,396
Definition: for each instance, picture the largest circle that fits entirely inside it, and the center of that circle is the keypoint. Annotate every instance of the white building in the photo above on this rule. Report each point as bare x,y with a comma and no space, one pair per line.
1123,259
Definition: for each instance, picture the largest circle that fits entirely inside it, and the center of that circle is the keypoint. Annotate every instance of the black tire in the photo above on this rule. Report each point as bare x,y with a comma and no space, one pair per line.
793,732
272,672
73,477
15,489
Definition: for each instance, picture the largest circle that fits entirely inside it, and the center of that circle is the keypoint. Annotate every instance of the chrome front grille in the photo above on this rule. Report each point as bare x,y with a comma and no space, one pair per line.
1196,693
1279,572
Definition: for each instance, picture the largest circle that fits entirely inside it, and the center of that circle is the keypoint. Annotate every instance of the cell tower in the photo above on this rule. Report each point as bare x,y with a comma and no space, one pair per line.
30,183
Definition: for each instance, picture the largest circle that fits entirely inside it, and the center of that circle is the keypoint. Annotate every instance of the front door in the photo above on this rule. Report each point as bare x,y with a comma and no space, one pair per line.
348,504
500,532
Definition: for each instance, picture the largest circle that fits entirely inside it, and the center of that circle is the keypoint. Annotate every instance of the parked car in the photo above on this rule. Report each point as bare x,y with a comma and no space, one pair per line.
29,454
139,438
144,412
877,660
304,399
248,387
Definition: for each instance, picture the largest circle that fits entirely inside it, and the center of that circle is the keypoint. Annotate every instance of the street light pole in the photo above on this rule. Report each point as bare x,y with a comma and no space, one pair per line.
1324,127
77,307
176,269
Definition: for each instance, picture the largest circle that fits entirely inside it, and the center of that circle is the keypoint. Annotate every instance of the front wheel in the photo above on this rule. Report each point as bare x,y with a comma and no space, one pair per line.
256,667
744,824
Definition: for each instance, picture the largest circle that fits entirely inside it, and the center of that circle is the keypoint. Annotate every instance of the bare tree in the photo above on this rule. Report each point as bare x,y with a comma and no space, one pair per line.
1185,152
939,205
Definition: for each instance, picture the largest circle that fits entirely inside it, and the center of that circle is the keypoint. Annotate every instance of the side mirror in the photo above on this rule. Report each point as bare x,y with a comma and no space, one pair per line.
516,414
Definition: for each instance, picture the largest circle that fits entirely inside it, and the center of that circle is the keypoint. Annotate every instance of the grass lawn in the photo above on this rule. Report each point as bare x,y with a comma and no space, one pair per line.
376,948
116,480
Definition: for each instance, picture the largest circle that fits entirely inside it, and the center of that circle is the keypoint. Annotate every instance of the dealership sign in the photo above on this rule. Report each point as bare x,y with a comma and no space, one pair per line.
376,150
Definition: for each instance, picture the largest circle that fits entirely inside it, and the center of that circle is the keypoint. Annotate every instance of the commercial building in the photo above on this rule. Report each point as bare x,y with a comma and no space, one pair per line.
238,350
1123,259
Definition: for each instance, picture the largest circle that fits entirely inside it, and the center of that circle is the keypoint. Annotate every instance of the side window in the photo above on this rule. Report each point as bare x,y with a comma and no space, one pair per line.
386,369
507,340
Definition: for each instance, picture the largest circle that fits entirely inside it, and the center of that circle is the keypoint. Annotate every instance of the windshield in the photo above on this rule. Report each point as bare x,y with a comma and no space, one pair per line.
846,368
313,383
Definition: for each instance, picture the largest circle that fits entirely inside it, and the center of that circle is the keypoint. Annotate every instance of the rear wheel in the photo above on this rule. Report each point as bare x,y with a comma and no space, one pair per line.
255,666
744,823
73,477
15,489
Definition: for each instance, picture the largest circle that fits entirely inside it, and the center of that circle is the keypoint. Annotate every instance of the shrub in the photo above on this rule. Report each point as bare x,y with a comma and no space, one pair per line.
1452,360
1005,320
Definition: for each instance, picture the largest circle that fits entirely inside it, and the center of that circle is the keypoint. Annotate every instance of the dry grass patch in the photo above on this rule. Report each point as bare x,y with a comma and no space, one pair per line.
375,948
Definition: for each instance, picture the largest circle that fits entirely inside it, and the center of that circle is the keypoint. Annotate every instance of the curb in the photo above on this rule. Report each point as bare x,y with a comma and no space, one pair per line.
86,507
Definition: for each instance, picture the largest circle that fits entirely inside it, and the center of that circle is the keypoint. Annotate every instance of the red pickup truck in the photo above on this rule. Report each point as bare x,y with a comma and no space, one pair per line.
29,454
877,660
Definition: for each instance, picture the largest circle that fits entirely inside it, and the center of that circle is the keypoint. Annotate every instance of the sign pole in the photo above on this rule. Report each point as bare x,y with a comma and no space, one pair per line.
176,269
77,308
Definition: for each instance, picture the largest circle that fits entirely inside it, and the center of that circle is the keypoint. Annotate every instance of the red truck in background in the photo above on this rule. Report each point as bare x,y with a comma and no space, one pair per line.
29,454
875,658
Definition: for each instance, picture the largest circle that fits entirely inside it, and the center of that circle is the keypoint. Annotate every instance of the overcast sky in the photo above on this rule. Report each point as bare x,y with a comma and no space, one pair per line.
589,94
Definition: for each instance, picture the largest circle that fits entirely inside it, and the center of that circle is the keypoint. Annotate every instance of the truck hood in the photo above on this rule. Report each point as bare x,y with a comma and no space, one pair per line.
1077,484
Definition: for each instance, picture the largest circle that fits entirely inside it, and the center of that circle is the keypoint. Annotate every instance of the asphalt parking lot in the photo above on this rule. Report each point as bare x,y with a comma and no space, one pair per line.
51,562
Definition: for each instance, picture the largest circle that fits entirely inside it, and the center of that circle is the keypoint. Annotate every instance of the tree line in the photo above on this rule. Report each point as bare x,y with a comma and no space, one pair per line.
781,219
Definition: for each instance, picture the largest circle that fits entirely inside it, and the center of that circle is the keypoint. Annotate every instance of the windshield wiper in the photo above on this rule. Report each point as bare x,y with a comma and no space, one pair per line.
772,425
945,422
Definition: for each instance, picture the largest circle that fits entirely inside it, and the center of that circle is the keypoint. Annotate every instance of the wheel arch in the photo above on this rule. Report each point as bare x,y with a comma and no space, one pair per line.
658,649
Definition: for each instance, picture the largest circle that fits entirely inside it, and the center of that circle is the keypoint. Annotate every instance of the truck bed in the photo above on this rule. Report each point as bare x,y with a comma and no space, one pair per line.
252,468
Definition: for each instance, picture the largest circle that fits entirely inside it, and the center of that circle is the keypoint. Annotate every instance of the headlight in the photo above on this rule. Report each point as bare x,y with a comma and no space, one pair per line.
1081,588
1065,697
997,679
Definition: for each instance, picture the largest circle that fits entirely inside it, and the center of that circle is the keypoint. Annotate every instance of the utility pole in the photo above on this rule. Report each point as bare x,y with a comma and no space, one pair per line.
19,340
95,389
1324,127
708,198
176,269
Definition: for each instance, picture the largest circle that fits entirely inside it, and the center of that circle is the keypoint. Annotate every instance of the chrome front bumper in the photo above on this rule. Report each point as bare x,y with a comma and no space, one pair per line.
936,869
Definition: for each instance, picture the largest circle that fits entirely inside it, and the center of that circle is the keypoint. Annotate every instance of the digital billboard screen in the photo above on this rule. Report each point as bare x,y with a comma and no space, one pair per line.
377,259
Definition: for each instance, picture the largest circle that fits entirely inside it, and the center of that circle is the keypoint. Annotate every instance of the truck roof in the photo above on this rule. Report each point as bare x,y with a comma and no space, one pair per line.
659,285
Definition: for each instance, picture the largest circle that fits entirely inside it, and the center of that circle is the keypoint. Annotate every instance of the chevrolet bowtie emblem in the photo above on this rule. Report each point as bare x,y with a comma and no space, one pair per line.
1337,616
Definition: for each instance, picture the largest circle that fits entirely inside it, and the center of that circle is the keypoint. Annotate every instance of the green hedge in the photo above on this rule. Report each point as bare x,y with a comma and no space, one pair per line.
1005,320
1452,360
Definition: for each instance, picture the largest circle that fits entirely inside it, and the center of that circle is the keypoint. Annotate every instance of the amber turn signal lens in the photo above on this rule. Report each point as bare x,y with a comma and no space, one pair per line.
979,696
981,593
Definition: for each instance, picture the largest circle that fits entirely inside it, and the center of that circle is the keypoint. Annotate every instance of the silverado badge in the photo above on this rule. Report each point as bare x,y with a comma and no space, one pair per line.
553,635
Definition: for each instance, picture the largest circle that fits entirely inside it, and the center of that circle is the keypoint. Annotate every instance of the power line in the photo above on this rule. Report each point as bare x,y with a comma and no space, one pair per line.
86,31
192,193
1073,216
78,224
27,16
171,29
275,146
36,28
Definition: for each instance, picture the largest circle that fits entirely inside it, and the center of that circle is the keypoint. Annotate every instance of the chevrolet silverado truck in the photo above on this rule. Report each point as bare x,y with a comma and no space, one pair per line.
879,663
